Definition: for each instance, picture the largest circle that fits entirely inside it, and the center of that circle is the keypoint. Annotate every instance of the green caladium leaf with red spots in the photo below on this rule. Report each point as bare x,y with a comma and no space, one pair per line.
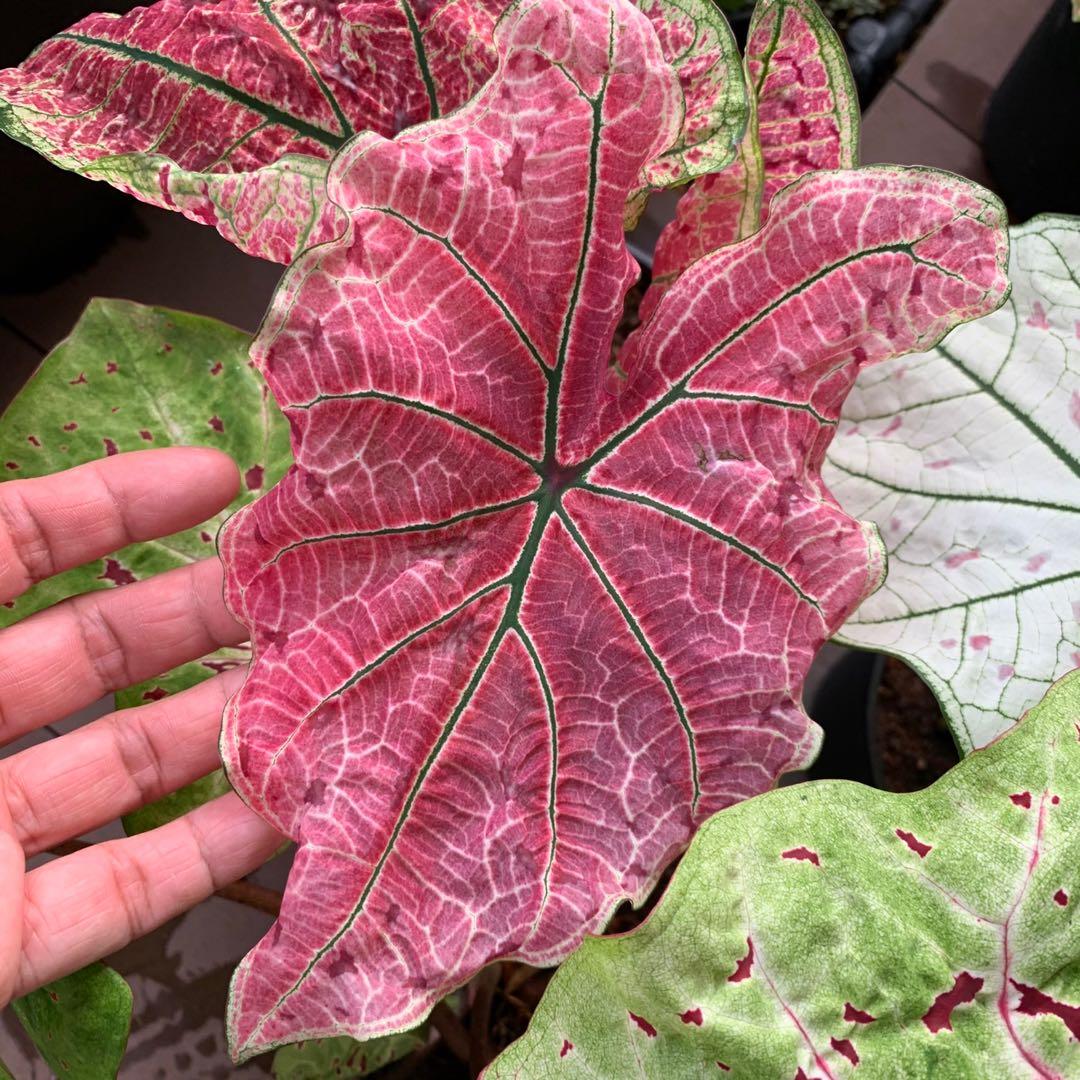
80,1023
830,930
804,115
968,459
521,623
131,377
230,110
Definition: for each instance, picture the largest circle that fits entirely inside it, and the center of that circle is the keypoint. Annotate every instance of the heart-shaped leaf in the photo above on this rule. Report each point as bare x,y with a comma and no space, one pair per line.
831,930
230,110
80,1023
804,115
968,459
517,634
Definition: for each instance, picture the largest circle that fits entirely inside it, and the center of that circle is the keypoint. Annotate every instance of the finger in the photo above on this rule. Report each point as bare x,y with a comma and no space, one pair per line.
56,522
87,905
66,787
12,869
66,657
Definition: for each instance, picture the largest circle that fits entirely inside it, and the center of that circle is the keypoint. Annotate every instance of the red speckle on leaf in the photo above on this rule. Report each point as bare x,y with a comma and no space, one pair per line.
11,465
979,641
116,573
1055,800
944,463
253,478
960,557
1061,897
725,1068
742,968
9,604
33,440
643,1024
853,430
155,693
115,408
221,665
1006,671
217,369
1037,562
802,853
1034,1002
144,434
894,425
205,537
166,347
1023,799
939,1016
567,1046
916,845
111,368
110,447
857,1016
79,381
692,1016
1074,407
895,524
71,427
948,643
216,423
799,1074
845,1047
1038,318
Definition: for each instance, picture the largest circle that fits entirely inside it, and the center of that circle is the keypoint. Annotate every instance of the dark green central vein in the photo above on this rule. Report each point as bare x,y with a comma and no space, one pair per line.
516,579
677,389
495,298
643,641
705,527
421,58
798,406
214,86
948,496
347,129
432,410
969,601
408,530
549,702
1018,415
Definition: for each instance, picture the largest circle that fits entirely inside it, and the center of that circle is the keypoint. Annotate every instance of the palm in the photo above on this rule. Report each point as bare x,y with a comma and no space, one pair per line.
76,909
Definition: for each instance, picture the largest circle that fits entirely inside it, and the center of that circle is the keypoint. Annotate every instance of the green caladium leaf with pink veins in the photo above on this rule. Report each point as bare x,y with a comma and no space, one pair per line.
230,110
968,459
131,377
829,930
520,625
804,115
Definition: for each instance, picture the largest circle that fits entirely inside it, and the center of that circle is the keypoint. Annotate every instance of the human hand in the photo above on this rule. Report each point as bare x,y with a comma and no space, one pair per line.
76,909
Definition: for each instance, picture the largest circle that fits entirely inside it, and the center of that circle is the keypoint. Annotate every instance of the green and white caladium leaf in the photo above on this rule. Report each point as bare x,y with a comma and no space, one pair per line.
229,111
968,459
80,1023
830,930
131,377
804,115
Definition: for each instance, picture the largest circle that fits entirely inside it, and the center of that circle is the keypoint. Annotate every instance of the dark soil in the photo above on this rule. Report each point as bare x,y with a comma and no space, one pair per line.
912,738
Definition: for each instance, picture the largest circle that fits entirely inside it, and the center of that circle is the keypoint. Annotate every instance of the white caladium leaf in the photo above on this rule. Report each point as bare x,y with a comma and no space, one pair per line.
229,111
968,459
829,930
516,634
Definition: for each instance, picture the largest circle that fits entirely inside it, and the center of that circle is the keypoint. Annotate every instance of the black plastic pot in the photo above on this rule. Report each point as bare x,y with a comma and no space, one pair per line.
1030,139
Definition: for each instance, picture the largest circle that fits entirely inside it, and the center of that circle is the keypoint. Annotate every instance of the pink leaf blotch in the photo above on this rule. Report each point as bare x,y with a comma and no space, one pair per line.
803,854
643,1024
845,1047
979,641
1033,1002
1023,799
857,1016
916,845
742,968
692,1016
496,577
939,1016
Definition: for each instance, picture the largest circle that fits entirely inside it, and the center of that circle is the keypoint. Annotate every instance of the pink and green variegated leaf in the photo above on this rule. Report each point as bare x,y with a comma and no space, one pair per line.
804,115
515,636
831,930
968,459
229,111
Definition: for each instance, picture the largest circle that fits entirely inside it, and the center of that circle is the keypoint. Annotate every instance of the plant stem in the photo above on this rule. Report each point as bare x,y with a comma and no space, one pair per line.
450,1029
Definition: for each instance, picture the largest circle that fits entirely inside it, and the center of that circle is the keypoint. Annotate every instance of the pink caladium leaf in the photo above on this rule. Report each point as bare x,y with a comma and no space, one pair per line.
520,623
229,111
804,115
